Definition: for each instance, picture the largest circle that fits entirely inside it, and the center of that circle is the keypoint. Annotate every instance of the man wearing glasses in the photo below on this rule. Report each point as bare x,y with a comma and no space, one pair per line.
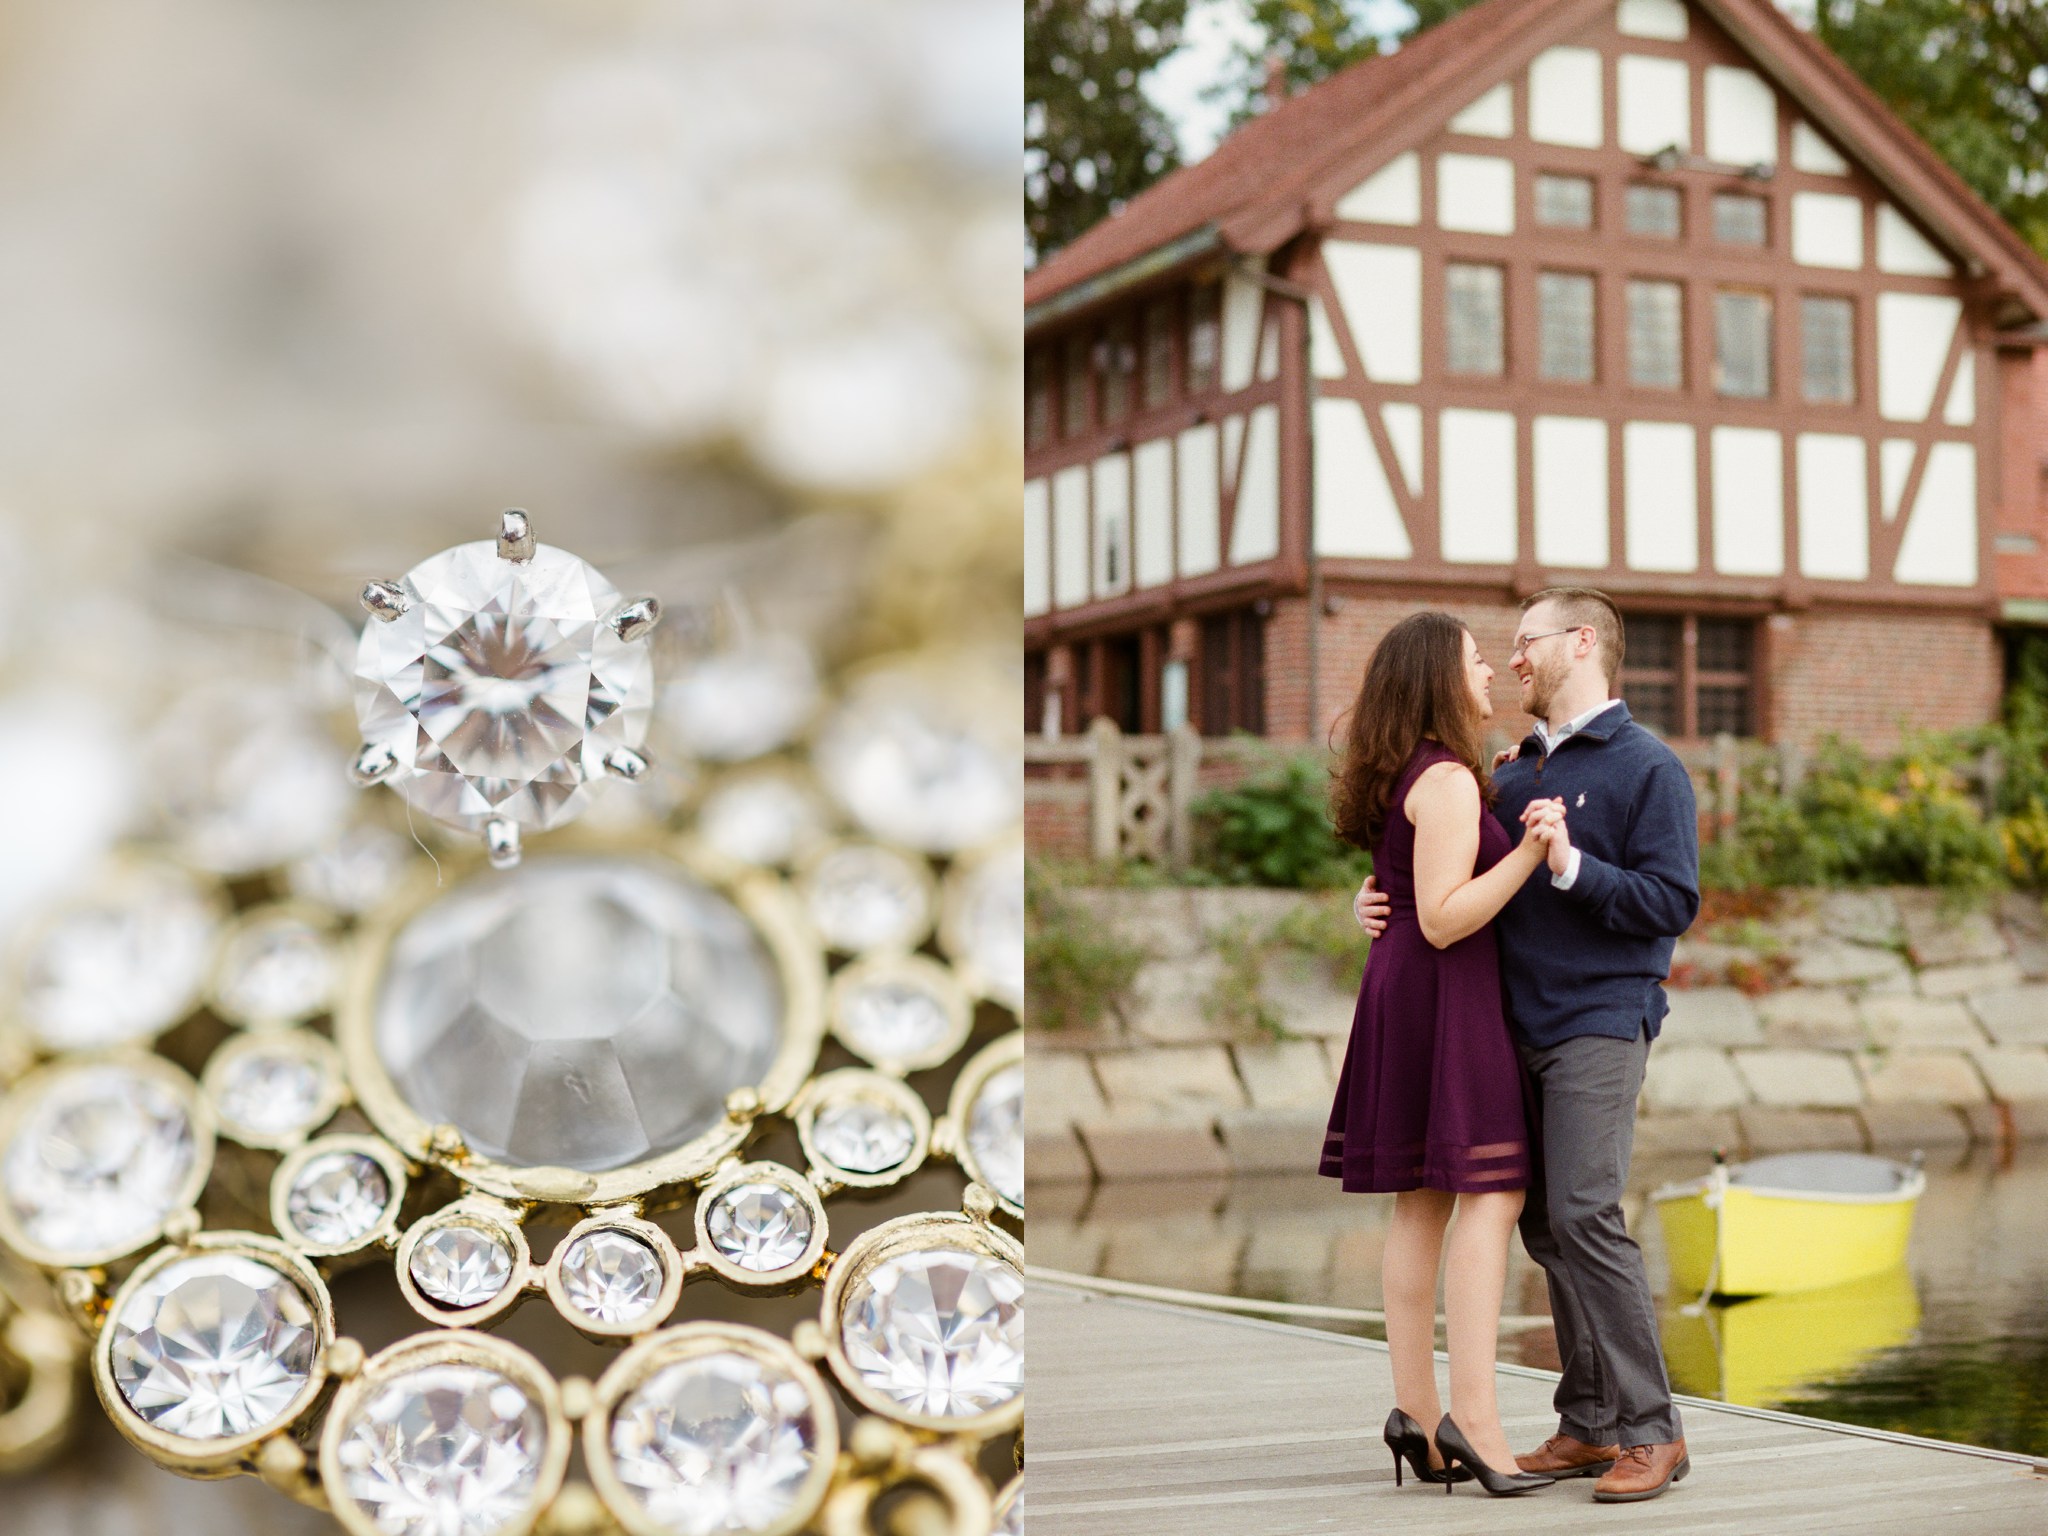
1584,949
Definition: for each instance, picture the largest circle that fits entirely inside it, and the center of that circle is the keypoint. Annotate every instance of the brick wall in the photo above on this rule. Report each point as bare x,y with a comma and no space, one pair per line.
1872,676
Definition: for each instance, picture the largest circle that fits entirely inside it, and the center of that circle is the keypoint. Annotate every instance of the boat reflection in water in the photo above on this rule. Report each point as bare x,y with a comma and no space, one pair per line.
1763,1350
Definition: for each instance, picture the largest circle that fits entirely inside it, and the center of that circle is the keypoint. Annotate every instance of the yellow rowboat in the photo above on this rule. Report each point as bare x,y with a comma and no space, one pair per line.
1765,1349
1794,1222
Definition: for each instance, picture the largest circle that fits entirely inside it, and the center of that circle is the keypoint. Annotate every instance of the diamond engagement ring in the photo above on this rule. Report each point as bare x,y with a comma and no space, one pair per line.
688,1040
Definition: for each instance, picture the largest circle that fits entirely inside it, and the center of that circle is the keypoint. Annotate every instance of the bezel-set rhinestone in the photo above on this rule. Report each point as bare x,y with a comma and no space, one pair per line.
613,1279
727,706
276,966
863,896
901,1012
352,874
711,1428
120,964
981,925
453,1434
864,1129
95,1155
925,1323
765,817
210,1347
273,1089
995,1133
761,1223
1010,1509
334,1195
458,1267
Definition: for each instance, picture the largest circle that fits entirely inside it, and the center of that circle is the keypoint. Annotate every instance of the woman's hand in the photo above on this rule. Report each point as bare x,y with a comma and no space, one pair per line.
1371,906
1542,824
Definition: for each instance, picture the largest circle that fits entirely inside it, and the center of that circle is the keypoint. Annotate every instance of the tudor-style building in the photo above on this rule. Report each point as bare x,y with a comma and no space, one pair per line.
1652,296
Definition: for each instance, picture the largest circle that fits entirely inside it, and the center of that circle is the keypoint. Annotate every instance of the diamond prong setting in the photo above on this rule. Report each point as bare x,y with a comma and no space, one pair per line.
384,601
515,536
636,620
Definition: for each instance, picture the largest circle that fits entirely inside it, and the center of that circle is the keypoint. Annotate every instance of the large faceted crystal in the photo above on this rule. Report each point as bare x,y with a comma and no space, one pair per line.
585,1012
214,1346
98,1160
444,1450
940,1332
720,1443
501,688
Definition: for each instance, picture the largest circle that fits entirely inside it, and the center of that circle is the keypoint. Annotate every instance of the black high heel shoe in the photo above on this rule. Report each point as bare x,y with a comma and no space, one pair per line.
1458,1452
1404,1437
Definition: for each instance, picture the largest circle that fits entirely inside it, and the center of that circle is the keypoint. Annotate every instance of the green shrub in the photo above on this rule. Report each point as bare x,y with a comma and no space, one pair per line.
1274,829
1077,971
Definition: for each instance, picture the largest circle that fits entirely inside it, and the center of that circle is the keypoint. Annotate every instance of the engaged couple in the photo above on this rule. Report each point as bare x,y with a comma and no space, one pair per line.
1523,924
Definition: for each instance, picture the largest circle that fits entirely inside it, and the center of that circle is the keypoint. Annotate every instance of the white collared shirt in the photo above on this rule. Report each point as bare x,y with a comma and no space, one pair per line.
1551,743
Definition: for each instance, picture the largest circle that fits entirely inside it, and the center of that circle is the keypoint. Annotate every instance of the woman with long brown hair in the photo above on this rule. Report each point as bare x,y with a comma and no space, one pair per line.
1429,1102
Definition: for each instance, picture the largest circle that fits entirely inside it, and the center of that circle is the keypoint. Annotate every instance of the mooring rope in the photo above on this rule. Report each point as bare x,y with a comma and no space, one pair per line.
1215,1303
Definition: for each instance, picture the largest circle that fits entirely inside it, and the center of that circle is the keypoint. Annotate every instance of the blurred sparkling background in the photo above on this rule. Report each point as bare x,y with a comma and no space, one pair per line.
724,295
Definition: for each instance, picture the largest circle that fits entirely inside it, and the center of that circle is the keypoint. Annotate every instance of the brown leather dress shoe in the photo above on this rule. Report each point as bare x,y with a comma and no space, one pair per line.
1643,1472
1562,1456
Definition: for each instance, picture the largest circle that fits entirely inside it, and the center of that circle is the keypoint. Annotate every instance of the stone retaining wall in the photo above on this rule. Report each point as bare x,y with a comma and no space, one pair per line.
1847,1019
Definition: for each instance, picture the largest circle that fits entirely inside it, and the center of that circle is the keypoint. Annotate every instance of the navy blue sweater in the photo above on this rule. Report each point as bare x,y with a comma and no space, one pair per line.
1590,960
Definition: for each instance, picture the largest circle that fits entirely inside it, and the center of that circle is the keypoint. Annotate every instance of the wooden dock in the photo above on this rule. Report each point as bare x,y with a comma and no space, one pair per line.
1147,1418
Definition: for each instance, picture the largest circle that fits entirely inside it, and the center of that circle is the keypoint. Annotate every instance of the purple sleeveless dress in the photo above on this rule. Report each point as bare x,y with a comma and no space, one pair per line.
1430,1096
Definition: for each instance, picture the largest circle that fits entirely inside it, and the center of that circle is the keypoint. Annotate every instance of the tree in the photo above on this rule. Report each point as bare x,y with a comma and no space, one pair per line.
1092,140
1971,78
1310,39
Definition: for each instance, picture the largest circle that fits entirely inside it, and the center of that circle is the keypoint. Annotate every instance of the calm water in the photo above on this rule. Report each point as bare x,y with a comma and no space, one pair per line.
1954,1345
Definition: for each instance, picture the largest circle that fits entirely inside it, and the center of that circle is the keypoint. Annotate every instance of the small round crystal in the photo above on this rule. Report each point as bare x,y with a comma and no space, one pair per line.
995,1133
717,1443
893,1018
863,1136
120,967
273,1094
443,1450
739,703
760,1225
214,1346
863,897
612,1277
1010,1514
98,1161
276,971
355,872
337,1198
940,1331
461,1265
763,819
984,928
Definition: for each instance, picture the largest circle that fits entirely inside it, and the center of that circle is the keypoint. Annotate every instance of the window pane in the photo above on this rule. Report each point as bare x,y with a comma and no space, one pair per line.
1827,337
1564,308
1565,201
1724,707
1117,357
1738,220
1650,643
1724,645
1656,335
1203,327
1742,345
1158,352
1472,312
1038,395
1074,394
1653,211
1654,705
1233,673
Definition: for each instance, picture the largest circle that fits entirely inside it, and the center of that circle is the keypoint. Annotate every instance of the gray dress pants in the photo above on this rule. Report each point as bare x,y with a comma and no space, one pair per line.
1614,1389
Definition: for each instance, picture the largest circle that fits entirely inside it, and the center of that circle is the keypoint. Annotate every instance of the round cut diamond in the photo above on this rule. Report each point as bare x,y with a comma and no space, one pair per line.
893,1018
863,1136
501,688
120,967
586,1013
939,1331
273,1093
355,872
246,778
984,927
760,1225
275,971
337,1198
98,1161
863,897
763,819
718,1443
443,1450
739,703
214,1346
910,769
995,1133
611,1276
461,1265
